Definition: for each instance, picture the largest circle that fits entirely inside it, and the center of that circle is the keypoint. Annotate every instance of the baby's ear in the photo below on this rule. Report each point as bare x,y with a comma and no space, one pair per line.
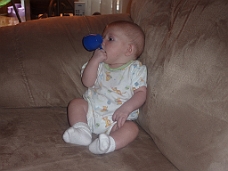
130,50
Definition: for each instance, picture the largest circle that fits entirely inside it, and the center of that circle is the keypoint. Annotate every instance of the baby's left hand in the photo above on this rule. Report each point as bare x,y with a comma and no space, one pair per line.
120,115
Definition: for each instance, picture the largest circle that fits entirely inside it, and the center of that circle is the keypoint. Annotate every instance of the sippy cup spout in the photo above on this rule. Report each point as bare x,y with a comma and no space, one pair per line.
92,42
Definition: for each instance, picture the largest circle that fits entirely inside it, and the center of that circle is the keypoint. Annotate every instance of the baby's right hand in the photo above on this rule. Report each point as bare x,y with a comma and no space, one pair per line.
99,55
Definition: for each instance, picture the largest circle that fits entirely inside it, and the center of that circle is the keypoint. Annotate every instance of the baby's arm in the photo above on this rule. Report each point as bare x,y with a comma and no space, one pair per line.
137,100
90,72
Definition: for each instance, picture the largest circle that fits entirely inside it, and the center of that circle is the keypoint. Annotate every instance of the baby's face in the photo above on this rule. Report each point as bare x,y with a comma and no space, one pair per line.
116,44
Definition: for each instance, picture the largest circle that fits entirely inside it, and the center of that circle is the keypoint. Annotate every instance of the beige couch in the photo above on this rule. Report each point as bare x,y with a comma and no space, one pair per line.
184,122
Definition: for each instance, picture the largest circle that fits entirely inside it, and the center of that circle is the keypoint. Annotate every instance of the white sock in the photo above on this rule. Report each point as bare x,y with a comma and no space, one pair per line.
103,144
79,134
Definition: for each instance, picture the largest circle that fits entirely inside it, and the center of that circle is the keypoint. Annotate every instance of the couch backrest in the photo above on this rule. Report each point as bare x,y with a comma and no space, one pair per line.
40,60
186,53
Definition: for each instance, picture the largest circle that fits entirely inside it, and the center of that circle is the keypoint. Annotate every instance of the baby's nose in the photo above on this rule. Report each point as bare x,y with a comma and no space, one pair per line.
103,44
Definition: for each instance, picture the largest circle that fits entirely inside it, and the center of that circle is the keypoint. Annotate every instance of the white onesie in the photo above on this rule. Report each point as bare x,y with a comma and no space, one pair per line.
112,88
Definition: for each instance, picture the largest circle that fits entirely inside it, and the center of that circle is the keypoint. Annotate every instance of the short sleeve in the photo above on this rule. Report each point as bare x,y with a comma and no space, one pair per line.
139,75
83,68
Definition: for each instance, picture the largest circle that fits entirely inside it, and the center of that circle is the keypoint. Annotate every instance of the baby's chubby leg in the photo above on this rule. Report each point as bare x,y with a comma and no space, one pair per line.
79,132
118,138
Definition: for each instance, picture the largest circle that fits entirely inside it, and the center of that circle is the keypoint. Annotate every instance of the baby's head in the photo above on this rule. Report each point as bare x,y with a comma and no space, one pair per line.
134,34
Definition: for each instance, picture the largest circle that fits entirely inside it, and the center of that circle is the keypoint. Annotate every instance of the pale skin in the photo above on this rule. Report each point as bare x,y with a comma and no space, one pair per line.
117,51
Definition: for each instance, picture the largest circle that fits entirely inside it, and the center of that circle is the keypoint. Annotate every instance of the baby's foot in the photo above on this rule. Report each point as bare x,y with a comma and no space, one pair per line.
103,144
78,134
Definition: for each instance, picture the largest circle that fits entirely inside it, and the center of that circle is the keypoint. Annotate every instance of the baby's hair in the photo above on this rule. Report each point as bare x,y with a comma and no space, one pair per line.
133,32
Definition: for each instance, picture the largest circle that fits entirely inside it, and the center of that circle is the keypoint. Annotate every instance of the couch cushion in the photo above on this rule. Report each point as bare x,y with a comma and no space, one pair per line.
40,60
186,52
31,139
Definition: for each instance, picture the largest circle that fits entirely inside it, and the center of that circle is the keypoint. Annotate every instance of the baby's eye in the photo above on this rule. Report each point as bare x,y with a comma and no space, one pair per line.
110,39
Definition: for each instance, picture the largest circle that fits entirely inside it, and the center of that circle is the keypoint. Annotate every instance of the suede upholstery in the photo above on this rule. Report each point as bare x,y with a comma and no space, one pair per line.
184,122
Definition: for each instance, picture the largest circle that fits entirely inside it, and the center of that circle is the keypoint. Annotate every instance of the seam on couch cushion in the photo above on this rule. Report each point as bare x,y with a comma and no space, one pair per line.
19,57
87,24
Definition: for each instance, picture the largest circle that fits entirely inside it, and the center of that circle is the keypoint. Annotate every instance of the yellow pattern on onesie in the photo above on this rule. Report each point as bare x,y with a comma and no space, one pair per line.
112,88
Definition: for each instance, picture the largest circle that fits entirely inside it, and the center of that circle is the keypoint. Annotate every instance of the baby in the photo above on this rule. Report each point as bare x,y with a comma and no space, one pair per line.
116,83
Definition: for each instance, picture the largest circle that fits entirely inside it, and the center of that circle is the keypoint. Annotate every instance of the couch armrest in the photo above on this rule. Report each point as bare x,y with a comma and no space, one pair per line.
40,60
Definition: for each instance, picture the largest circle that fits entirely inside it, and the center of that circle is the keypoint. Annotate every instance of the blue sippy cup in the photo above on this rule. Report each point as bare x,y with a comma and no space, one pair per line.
92,42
